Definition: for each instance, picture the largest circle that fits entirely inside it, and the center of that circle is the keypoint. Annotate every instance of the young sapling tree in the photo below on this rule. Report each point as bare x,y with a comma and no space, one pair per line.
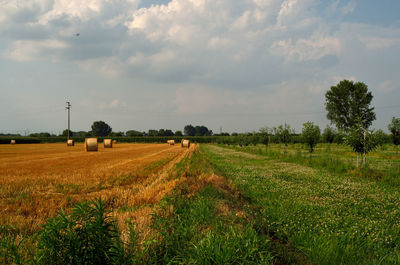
284,134
310,134
266,136
361,141
394,128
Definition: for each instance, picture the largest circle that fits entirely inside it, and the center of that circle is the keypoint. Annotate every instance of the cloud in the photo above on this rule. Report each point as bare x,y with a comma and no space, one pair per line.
114,104
28,50
205,56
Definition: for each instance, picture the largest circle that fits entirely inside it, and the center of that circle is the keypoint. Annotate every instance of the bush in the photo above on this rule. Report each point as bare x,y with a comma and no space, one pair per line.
86,236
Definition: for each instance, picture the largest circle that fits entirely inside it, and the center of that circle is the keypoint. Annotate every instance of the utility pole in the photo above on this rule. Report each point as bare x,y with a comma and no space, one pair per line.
68,108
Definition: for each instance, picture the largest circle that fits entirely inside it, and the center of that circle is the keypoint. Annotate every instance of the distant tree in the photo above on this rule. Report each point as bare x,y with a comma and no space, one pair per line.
202,131
166,132
310,134
189,130
234,134
133,133
266,136
100,128
347,103
161,132
340,136
380,137
42,134
329,134
361,141
178,133
117,134
81,134
284,134
152,133
65,133
394,128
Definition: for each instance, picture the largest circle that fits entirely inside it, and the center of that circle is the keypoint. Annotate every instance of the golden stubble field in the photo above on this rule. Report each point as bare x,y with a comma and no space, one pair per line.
37,180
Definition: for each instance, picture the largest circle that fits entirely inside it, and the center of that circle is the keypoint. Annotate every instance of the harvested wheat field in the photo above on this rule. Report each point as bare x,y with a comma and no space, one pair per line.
36,180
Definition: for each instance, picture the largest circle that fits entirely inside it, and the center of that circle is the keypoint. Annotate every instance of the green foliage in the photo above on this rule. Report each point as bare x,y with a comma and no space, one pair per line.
166,132
347,103
311,134
87,236
394,128
329,135
360,140
380,138
133,133
43,134
190,130
178,133
117,134
283,133
64,133
100,128
9,246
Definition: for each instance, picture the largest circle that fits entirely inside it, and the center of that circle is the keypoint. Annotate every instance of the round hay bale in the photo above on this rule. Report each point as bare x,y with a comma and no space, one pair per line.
13,142
70,142
91,145
185,143
114,141
108,143
171,142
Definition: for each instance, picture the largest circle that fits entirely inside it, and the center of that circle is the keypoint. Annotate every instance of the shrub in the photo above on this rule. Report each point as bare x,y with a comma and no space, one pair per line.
87,236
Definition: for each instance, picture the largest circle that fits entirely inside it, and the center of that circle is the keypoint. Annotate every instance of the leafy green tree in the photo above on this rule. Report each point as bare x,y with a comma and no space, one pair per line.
100,128
178,133
361,141
310,134
202,131
133,133
65,133
266,136
329,134
394,128
81,134
380,137
284,134
347,103
166,132
189,130
117,134
152,133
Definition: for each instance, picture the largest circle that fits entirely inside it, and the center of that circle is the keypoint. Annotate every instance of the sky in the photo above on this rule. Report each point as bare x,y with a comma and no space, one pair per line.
235,65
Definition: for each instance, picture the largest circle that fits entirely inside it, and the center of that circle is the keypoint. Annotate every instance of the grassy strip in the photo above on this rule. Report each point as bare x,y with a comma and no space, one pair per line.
331,219
333,163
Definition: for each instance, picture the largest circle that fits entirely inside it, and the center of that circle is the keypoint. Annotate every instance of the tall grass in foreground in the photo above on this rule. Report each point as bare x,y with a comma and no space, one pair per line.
88,235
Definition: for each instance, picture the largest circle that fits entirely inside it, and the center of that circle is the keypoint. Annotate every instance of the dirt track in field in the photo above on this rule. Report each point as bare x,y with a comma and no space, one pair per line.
36,180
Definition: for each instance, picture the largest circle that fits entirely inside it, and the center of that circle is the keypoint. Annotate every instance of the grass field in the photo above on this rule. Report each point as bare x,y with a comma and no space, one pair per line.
330,218
210,205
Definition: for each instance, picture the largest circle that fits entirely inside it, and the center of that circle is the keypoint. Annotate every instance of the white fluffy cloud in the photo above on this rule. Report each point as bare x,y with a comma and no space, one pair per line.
243,53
